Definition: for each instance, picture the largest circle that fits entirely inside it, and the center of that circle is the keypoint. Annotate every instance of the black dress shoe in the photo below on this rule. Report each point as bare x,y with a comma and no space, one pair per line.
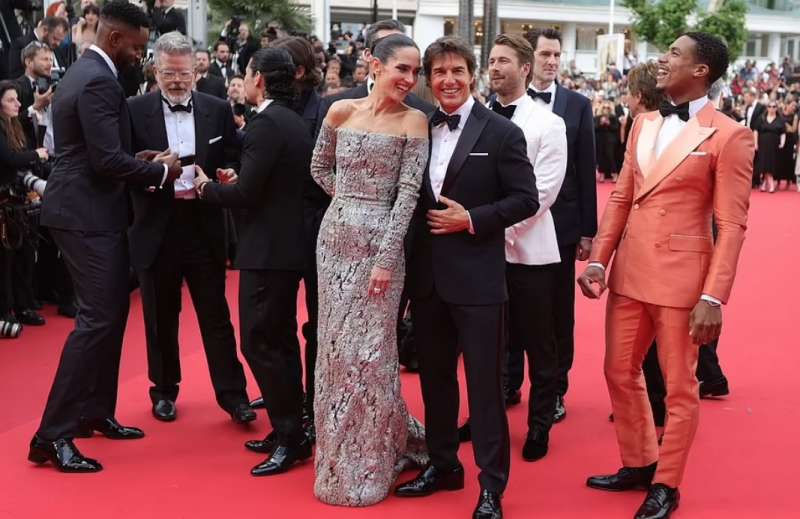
431,480
264,446
258,403
628,478
30,317
513,397
465,432
561,410
660,502
536,445
110,428
714,388
488,506
63,454
309,428
242,413
165,410
68,310
282,459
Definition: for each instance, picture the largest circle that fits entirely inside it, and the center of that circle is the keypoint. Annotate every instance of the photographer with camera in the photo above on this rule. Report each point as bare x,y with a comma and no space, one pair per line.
18,209
51,30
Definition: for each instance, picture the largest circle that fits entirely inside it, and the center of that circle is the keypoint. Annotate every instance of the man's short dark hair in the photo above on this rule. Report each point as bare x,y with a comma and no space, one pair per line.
51,23
383,25
448,45
203,51
548,33
126,13
237,76
221,42
710,50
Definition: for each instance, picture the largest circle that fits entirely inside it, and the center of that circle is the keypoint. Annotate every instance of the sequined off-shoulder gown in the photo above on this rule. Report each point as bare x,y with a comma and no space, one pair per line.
365,435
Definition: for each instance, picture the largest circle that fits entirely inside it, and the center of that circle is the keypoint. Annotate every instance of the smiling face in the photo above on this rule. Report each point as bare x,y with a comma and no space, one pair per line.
398,76
507,75
678,72
451,81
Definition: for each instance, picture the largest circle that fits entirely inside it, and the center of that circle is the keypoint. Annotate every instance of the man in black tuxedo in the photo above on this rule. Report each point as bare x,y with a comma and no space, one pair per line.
167,19
38,59
205,82
575,209
276,157
222,65
86,207
479,181
10,29
174,236
52,30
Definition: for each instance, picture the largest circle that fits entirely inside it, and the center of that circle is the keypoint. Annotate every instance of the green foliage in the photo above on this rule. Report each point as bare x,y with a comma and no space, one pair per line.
661,22
259,13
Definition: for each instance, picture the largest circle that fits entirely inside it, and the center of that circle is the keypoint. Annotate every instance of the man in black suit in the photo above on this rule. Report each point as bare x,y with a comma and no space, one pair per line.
52,30
575,209
167,19
174,236
205,82
86,207
38,59
479,181
10,29
276,156
222,65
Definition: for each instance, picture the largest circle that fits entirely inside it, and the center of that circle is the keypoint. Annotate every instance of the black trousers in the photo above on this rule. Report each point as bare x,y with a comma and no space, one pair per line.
268,318
564,315
309,328
708,370
186,254
531,289
86,380
52,279
18,268
442,329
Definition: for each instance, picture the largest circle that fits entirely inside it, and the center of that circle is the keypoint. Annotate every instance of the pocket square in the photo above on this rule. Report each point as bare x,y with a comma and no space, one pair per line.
215,139
478,154
698,153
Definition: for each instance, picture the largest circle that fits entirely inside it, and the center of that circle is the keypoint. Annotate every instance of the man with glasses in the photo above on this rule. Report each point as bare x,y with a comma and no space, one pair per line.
175,236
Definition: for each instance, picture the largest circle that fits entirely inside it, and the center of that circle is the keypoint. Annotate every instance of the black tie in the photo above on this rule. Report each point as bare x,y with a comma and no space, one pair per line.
505,111
682,110
179,108
544,96
440,117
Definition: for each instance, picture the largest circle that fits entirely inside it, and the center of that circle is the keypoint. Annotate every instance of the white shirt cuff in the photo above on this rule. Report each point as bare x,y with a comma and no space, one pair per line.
710,299
164,178
471,228
597,264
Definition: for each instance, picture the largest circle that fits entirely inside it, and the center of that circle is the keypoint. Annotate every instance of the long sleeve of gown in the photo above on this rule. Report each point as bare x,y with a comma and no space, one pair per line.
412,167
323,161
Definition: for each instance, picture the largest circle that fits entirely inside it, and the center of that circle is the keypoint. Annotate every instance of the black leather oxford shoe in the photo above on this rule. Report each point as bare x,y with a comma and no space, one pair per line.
431,480
264,446
165,410
110,428
242,413
258,403
63,454
660,502
536,445
30,317
714,388
627,478
488,506
282,459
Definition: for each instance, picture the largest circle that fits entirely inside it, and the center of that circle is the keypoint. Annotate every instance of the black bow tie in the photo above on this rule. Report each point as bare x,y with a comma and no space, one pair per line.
544,96
440,117
178,107
682,110
505,111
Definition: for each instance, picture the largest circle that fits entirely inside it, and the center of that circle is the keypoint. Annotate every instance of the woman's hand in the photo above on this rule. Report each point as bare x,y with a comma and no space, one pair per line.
379,280
42,152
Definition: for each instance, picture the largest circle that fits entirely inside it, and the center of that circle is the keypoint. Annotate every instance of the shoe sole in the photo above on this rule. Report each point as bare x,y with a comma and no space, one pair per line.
40,458
452,488
609,489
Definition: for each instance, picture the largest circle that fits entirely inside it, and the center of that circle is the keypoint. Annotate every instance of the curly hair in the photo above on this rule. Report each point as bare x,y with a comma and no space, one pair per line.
126,13
712,51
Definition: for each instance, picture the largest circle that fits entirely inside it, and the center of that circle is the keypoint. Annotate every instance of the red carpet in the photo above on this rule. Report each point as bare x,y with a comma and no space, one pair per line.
743,463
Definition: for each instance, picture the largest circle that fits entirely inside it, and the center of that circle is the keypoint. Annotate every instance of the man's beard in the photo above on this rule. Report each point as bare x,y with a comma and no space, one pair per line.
177,100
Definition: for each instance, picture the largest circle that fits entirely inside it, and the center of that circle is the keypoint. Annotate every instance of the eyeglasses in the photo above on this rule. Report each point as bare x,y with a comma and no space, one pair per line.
171,75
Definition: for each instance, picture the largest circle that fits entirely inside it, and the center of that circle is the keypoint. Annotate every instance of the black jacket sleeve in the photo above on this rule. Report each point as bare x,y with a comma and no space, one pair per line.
585,168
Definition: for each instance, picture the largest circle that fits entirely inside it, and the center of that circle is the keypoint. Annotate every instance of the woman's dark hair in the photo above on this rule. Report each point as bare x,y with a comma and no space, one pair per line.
91,8
386,47
302,54
448,45
10,126
277,69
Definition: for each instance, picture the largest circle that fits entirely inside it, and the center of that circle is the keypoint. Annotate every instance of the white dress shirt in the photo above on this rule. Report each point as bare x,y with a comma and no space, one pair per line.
181,138
551,89
443,145
673,125
265,103
533,241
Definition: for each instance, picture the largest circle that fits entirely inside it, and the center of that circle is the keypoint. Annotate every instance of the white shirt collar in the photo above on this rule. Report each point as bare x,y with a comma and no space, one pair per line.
263,105
105,58
551,88
697,105
167,103
515,102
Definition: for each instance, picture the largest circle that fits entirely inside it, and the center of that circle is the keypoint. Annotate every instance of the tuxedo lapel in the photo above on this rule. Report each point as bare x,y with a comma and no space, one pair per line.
560,102
426,178
469,136
202,125
156,125
696,131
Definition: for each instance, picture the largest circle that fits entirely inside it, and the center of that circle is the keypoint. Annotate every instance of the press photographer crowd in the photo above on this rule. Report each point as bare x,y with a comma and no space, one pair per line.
39,46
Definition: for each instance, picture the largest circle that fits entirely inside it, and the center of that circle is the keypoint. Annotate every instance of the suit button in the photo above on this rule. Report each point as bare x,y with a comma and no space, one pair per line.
636,206
662,212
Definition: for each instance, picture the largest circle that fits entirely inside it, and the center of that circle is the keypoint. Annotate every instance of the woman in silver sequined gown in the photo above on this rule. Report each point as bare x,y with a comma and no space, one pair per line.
365,435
